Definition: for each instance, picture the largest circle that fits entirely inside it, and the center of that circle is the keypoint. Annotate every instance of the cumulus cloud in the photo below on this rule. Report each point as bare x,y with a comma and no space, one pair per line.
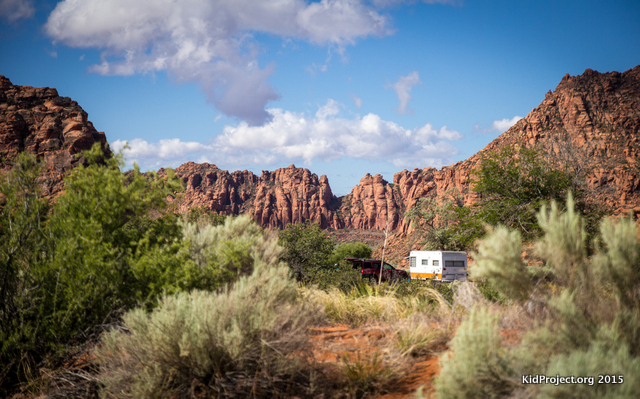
294,136
497,126
164,153
208,41
503,125
13,10
403,87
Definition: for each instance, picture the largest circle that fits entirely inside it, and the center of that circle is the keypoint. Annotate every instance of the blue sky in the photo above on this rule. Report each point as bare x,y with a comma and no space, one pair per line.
342,87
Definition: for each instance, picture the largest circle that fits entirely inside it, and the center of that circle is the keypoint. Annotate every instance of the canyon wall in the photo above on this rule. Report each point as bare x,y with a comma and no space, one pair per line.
54,128
590,121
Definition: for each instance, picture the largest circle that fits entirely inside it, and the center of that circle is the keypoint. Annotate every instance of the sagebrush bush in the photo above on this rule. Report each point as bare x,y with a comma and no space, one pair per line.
222,253
477,365
583,312
502,247
237,342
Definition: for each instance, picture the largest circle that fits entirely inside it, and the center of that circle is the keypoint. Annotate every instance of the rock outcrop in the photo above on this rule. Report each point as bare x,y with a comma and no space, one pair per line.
52,127
592,120
274,199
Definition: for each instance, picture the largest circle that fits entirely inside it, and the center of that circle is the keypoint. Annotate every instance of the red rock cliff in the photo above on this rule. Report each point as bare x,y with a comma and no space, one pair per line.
274,199
52,127
596,115
593,117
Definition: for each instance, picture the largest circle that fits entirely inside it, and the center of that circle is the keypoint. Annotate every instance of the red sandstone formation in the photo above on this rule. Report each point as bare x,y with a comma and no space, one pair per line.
596,116
52,127
274,199
593,117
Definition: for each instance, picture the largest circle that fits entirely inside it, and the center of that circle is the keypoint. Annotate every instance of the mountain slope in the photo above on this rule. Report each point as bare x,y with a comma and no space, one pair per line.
590,121
53,127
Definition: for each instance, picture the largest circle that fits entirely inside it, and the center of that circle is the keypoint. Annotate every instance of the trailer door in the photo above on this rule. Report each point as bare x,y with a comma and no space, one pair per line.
454,269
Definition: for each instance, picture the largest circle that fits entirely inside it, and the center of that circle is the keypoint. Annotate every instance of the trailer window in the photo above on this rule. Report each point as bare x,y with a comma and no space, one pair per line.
454,263
436,262
412,261
425,262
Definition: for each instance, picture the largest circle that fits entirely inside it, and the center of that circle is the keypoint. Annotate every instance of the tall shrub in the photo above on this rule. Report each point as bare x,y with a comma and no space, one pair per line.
583,312
238,342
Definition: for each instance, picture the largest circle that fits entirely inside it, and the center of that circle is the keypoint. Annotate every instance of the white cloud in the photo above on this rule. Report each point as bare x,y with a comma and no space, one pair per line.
503,125
331,108
294,136
209,42
314,68
13,10
403,87
166,152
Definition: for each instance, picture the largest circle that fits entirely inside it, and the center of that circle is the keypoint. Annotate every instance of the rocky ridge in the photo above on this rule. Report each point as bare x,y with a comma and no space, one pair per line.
54,128
274,199
591,116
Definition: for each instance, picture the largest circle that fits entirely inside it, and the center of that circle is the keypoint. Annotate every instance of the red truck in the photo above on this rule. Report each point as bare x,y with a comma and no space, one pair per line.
370,270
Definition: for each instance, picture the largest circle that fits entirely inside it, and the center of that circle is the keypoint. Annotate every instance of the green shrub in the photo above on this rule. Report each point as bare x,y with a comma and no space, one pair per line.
73,269
349,250
222,253
23,214
477,366
514,184
238,342
343,277
580,315
502,247
307,249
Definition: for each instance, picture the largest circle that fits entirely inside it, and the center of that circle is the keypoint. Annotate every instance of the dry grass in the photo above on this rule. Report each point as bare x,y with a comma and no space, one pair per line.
366,304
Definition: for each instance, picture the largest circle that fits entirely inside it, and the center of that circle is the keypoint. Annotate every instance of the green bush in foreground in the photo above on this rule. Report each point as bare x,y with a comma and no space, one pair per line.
477,366
70,270
578,315
237,342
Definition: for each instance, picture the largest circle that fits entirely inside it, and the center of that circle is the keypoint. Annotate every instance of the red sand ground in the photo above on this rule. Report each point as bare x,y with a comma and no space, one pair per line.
334,343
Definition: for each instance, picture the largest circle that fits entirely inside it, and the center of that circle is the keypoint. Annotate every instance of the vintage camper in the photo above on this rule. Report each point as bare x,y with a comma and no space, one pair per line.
438,265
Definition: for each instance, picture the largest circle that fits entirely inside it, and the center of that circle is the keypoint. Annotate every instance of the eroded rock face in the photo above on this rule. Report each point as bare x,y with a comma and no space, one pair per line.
52,127
591,120
274,199
596,116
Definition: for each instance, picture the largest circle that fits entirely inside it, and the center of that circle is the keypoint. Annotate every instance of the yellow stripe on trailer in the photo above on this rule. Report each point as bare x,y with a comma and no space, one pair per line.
425,276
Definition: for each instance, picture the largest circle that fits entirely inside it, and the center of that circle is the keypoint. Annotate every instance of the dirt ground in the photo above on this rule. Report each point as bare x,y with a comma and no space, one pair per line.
337,343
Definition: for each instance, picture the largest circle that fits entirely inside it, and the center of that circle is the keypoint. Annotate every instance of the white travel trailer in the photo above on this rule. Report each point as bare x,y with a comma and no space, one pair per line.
438,265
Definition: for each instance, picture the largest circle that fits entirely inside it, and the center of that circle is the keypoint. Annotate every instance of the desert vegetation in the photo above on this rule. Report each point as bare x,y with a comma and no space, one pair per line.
570,315
107,293
512,185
